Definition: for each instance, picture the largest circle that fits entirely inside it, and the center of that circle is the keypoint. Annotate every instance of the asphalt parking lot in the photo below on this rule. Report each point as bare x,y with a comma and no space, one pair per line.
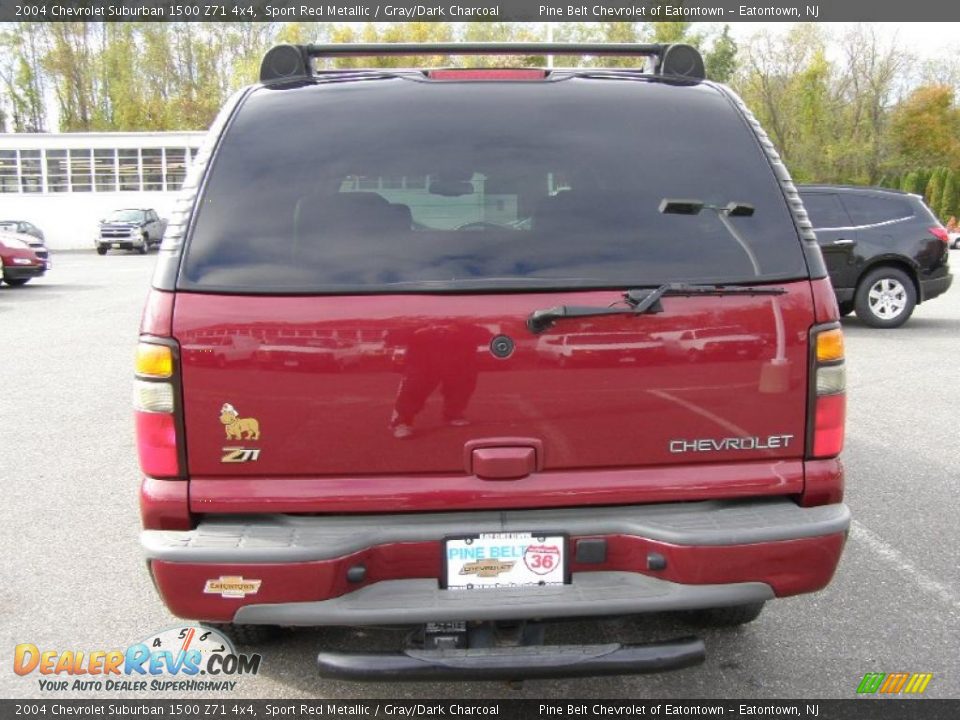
71,575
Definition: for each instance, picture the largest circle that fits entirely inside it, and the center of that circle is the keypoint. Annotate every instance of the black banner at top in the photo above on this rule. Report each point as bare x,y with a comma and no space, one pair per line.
479,10
497,709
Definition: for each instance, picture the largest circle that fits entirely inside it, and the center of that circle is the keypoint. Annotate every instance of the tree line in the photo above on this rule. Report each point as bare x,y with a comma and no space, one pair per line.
842,108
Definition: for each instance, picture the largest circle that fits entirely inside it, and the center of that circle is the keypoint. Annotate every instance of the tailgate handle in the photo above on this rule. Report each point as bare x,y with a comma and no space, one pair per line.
503,463
503,458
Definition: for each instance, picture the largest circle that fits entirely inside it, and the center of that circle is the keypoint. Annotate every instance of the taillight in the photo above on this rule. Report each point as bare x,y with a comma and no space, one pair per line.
155,406
828,388
940,233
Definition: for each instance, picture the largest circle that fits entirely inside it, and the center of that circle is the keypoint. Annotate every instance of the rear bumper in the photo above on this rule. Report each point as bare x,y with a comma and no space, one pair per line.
22,272
589,594
120,243
930,289
844,294
295,569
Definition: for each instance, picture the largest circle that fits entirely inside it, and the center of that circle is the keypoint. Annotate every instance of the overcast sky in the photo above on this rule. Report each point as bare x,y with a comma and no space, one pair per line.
925,39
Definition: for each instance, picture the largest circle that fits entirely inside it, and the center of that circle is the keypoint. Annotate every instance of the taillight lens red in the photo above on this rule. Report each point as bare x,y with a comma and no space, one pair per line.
157,444
829,424
941,234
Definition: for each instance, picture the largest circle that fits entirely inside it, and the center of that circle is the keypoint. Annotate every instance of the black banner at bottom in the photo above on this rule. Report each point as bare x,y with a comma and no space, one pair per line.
504,709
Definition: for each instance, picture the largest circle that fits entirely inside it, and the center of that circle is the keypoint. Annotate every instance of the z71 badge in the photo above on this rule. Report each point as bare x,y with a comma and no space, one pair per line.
239,454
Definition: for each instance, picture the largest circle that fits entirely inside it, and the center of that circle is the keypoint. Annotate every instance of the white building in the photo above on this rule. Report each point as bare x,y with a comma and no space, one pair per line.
65,182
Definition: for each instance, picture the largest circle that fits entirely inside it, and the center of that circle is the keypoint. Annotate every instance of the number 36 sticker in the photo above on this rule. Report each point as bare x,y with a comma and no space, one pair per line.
541,559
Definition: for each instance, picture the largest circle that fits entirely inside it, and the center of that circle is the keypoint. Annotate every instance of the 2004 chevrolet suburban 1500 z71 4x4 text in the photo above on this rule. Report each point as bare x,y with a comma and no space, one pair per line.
393,439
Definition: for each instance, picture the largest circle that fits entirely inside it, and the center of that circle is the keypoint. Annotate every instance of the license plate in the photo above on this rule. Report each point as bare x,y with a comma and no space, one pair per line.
116,245
492,560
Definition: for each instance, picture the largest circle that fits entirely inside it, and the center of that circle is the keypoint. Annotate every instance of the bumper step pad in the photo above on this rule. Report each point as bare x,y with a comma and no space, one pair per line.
411,602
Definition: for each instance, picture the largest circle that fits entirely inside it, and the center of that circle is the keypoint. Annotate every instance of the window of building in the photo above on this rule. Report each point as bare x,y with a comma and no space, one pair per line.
129,166
152,159
105,170
61,170
176,167
8,171
81,170
31,172
57,173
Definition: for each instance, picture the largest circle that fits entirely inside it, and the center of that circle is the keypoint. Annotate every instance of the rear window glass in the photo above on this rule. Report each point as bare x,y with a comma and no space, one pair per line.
397,185
871,209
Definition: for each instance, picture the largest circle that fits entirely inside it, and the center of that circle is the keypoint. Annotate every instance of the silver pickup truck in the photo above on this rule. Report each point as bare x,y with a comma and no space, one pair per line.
130,229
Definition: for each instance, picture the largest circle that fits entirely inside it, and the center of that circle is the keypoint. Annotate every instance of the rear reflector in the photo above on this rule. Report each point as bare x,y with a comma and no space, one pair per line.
157,444
831,413
488,74
153,360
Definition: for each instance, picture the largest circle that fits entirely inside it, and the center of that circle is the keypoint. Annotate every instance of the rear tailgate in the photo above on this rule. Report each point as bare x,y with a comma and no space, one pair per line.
326,381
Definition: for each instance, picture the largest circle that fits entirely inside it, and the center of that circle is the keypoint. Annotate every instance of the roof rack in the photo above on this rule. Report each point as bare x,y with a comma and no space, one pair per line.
291,62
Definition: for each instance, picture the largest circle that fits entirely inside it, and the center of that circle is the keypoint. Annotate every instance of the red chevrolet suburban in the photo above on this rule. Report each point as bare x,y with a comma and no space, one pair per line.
473,349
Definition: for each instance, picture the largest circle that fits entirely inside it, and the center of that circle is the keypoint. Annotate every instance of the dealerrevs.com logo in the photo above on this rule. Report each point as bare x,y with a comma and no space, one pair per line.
189,658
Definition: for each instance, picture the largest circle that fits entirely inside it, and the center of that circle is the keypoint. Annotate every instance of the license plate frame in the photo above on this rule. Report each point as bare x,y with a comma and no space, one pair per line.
523,575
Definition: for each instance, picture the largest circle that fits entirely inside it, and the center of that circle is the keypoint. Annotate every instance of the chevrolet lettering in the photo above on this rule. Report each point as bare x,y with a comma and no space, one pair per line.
771,442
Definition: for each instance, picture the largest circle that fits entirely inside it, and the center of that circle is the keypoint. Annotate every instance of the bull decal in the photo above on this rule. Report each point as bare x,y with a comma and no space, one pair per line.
238,428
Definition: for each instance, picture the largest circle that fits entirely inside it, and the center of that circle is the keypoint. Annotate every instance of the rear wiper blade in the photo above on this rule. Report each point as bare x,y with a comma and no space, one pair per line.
646,297
640,301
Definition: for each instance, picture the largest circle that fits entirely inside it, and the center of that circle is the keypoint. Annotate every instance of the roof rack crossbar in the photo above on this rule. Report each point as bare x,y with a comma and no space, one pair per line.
485,48
290,62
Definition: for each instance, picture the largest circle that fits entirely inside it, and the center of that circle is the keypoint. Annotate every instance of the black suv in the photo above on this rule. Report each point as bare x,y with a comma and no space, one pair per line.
885,250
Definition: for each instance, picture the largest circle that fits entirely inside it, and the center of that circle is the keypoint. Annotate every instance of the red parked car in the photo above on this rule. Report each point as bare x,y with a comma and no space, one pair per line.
19,262
405,254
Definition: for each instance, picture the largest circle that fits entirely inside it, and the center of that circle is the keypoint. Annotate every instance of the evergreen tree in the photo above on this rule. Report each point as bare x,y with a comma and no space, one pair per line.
911,181
721,60
933,194
951,195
